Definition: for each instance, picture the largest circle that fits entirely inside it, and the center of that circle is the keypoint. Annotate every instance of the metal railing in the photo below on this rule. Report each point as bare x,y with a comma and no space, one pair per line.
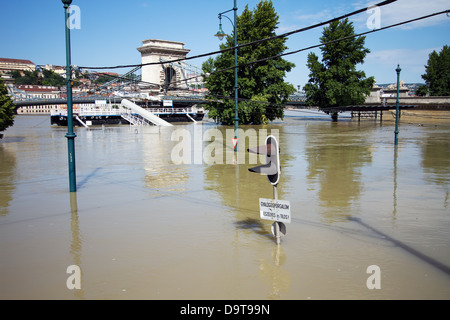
119,111
90,112
135,119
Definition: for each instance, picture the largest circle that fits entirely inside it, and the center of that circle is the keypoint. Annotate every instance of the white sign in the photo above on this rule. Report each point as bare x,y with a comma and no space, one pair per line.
100,102
275,210
167,103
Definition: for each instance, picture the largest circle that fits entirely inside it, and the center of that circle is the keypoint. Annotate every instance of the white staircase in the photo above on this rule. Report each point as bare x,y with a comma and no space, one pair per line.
81,121
147,115
135,120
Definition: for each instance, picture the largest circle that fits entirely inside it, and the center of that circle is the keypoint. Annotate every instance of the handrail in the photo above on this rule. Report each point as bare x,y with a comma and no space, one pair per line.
82,111
118,112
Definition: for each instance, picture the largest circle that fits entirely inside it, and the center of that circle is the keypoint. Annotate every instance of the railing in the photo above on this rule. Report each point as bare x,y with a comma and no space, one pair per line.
169,110
90,112
135,119
120,111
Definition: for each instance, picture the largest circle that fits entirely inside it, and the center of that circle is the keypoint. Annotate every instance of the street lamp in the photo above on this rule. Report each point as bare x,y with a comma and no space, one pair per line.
220,34
70,135
397,115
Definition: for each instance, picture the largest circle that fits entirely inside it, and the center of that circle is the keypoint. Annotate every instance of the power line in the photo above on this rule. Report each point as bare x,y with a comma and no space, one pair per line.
323,44
383,3
320,45
333,41
298,51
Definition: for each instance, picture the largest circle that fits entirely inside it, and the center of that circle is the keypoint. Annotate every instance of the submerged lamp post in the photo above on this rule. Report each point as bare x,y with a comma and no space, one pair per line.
70,134
220,34
397,115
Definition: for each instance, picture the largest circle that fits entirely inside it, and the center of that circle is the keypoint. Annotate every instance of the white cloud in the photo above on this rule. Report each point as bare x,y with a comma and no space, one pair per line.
411,61
403,10
315,17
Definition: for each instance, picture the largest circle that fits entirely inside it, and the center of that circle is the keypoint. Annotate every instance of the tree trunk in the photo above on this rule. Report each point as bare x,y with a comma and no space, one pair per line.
334,116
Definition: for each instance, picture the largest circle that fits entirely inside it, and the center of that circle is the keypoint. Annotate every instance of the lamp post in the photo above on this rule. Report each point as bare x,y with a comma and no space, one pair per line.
70,135
396,104
220,34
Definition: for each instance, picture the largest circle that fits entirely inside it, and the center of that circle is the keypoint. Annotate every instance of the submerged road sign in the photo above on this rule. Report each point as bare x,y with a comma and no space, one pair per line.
272,166
235,141
272,209
275,210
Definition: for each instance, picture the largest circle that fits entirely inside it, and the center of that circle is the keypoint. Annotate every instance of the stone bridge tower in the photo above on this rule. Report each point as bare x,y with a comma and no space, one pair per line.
160,78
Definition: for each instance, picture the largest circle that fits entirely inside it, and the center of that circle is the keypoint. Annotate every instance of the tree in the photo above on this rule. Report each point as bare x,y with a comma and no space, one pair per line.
421,90
51,78
29,77
262,90
6,108
437,72
46,78
335,81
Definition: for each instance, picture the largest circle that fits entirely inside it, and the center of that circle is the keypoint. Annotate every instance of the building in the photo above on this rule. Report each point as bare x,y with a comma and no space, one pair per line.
60,70
159,77
391,90
40,92
378,94
7,65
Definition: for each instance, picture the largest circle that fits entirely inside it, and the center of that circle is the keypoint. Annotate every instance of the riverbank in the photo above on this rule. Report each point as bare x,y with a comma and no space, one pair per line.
420,116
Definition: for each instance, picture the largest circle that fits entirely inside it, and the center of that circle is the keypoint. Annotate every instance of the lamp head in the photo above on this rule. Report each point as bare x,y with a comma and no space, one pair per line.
220,34
67,2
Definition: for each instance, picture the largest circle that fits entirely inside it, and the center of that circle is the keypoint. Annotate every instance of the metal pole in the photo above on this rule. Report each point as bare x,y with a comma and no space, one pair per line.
397,112
70,135
236,87
277,225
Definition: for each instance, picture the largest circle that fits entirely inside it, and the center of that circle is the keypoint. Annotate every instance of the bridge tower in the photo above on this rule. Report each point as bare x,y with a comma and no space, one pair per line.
161,78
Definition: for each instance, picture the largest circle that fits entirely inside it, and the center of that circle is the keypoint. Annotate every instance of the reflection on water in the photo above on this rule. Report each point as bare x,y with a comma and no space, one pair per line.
76,243
142,226
273,273
436,161
7,175
335,160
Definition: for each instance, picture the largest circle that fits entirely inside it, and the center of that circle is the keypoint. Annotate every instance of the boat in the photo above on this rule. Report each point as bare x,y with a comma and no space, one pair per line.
103,114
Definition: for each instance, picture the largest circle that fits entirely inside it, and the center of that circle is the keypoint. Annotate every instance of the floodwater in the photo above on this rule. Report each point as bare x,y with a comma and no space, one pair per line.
369,221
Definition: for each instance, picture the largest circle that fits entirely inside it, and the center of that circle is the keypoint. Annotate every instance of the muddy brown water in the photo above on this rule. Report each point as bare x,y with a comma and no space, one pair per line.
142,226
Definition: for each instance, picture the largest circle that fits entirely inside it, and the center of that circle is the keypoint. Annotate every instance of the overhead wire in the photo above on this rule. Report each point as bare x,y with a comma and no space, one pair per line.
383,3
322,44
287,53
333,41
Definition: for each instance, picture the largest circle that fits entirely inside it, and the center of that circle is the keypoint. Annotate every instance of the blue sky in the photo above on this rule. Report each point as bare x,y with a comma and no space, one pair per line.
112,30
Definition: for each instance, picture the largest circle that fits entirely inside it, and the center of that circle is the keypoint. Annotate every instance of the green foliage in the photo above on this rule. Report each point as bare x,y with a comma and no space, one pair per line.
335,81
437,72
29,77
103,78
262,90
52,79
421,90
6,107
45,78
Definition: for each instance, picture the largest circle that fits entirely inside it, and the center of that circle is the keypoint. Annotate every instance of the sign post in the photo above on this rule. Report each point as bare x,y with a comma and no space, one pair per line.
276,210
